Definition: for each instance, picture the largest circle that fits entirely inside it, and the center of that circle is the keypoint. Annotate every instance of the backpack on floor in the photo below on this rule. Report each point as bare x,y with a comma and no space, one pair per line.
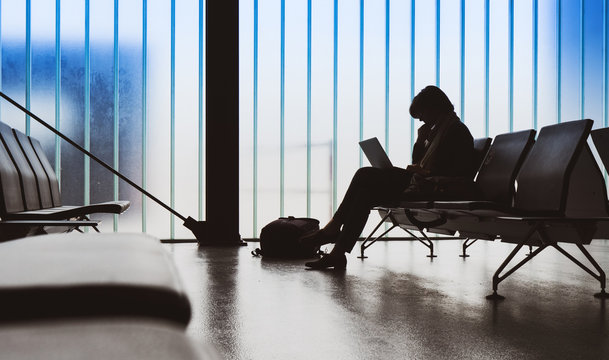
279,238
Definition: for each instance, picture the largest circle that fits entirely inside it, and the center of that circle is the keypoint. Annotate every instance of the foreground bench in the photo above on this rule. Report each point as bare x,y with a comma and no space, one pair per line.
90,275
93,296
101,339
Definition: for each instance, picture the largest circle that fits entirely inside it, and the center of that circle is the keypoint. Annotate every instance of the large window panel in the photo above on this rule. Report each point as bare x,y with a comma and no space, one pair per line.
100,118
43,73
348,101
247,91
158,151
130,110
592,52
13,30
450,51
72,101
400,147
269,120
547,101
522,87
322,22
570,58
425,44
125,79
294,117
186,118
499,69
474,77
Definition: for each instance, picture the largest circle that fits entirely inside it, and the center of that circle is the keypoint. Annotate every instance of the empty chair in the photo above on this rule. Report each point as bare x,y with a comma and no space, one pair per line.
39,185
497,175
481,147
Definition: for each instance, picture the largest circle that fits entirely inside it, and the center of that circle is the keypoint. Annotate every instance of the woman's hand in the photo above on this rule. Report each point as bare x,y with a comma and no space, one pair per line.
417,170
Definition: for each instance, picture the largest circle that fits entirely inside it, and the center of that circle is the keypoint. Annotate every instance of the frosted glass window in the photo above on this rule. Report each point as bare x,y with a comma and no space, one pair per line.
125,79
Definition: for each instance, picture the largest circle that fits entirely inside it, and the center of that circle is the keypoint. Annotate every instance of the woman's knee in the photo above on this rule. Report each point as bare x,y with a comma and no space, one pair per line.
365,172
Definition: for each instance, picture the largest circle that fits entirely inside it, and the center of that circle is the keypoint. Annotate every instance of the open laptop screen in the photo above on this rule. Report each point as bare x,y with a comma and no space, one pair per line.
375,153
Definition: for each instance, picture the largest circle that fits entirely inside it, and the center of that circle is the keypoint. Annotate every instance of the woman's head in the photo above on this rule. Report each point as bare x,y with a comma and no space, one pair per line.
430,105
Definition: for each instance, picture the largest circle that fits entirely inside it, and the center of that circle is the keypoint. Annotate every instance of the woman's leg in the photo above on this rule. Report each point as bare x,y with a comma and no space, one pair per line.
369,187
383,187
363,179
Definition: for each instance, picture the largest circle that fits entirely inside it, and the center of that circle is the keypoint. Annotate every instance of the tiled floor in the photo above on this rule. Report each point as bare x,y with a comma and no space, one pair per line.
397,304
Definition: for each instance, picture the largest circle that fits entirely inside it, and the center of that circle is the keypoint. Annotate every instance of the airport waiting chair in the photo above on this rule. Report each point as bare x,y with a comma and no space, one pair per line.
30,199
507,149
560,198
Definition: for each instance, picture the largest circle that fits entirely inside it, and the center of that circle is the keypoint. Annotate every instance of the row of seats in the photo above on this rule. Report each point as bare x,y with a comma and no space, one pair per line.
535,193
110,296
30,198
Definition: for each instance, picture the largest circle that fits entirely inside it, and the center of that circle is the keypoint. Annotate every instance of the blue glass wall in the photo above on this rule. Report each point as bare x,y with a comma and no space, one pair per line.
125,80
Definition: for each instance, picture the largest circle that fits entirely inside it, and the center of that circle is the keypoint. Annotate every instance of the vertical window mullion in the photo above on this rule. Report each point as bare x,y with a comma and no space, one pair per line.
462,49
361,77
335,109
605,65
28,61
582,80
144,106
558,61
412,62
282,114
487,65
387,54
116,110
438,34
255,126
309,30
172,117
201,125
57,88
87,120
535,61
511,65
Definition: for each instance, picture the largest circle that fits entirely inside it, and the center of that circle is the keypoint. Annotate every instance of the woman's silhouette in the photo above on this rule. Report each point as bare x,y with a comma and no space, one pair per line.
444,147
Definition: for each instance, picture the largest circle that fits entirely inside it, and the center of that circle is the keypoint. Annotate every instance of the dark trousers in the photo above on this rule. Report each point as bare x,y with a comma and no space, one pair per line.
369,187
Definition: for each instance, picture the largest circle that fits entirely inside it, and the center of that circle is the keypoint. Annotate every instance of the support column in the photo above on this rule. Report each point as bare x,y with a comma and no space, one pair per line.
222,123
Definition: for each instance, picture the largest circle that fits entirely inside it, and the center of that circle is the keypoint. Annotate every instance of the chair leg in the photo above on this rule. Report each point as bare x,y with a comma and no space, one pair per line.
369,240
601,274
425,241
467,243
497,277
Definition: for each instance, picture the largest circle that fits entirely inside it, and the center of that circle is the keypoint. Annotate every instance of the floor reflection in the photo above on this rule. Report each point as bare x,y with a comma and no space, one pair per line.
396,304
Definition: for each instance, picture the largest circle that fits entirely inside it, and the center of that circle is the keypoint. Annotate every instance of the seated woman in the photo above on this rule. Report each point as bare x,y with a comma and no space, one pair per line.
444,147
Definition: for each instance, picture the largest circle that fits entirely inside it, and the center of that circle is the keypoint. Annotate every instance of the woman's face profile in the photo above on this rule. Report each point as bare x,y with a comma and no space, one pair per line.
425,117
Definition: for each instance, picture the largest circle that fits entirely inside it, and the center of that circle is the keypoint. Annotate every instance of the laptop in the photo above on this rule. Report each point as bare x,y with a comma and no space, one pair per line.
375,153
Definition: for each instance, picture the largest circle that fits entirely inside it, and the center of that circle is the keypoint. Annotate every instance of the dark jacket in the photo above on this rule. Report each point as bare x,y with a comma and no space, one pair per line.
454,155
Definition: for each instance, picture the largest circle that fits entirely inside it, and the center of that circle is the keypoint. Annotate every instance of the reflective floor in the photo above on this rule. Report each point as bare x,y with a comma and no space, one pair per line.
397,304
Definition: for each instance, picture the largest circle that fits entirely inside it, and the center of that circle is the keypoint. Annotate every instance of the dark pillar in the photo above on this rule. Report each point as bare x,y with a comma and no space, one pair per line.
222,123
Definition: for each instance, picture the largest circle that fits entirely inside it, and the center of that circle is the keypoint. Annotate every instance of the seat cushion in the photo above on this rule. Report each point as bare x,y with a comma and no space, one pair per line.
100,339
472,206
71,211
79,275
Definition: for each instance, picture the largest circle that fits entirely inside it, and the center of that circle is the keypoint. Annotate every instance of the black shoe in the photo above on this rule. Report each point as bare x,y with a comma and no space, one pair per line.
338,262
319,238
